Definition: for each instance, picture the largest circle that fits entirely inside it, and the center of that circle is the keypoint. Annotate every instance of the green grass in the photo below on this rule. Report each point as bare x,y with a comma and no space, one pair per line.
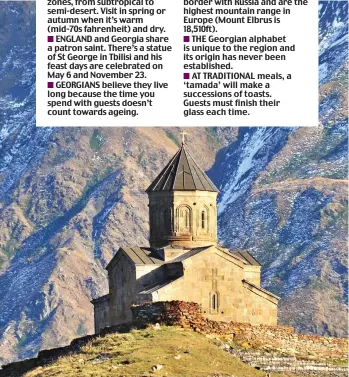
140,157
27,204
135,353
335,219
21,343
97,140
11,245
59,157
339,362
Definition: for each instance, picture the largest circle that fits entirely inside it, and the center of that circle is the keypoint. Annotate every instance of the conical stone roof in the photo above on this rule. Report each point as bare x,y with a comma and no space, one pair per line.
183,174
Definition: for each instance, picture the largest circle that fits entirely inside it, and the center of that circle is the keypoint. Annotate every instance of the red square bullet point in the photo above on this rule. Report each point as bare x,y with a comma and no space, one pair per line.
50,38
186,38
186,76
50,85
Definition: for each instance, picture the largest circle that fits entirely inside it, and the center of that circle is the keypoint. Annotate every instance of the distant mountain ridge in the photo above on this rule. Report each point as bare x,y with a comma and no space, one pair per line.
69,197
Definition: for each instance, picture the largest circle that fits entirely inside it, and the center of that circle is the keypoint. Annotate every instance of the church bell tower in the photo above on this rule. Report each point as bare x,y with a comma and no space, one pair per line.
182,205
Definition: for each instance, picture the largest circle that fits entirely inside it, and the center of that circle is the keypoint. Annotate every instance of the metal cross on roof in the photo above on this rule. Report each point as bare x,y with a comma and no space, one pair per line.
183,133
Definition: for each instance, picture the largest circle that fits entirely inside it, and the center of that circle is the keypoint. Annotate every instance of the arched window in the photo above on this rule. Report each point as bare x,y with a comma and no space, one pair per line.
204,220
184,219
214,302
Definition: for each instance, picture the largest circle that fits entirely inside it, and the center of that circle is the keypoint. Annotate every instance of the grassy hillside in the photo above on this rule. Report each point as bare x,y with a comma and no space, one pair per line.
166,352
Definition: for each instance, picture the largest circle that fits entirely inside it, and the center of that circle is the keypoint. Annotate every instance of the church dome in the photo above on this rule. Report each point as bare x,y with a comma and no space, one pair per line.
182,173
182,205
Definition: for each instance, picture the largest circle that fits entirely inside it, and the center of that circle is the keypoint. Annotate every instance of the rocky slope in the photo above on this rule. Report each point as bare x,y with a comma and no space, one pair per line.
69,197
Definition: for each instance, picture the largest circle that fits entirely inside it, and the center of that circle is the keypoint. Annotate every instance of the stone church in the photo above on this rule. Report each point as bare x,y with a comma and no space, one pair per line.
184,261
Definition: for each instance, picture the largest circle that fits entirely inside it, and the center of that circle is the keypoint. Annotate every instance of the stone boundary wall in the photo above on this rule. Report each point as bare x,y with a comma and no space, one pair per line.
188,315
276,363
280,338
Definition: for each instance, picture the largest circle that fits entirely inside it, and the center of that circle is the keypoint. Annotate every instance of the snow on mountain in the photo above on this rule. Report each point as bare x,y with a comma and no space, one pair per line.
284,196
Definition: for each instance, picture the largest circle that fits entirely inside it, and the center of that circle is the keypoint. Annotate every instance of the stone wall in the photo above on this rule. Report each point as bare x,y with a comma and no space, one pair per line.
176,218
121,273
280,338
273,362
101,313
214,278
